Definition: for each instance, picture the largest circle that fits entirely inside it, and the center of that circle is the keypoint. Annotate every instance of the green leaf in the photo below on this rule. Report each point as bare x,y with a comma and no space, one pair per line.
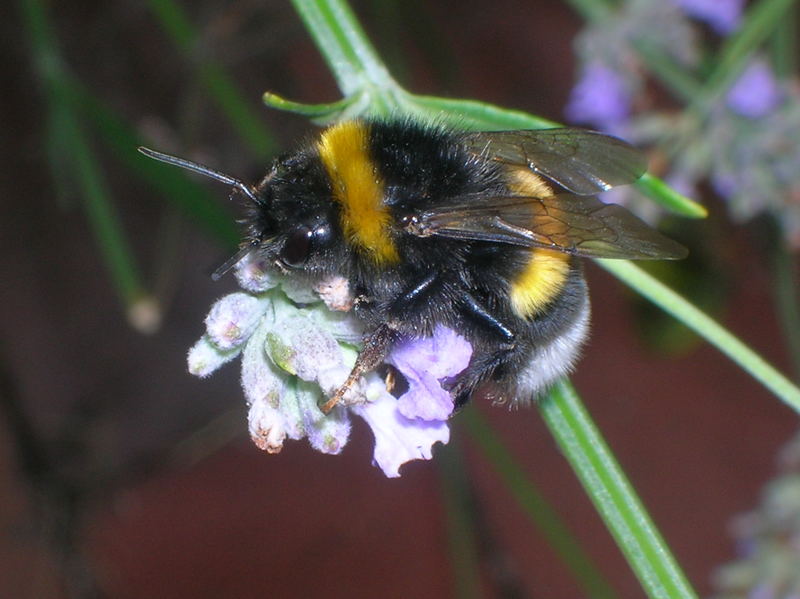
704,325
233,104
536,507
612,495
80,162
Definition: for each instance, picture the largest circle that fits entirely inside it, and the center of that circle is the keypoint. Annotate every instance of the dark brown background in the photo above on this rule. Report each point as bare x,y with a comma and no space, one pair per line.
697,436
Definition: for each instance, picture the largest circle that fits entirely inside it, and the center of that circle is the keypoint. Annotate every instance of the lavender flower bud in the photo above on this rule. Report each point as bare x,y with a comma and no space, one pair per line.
326,433
233,319
300,347
265,390
205,357
266,426
261,381
254,275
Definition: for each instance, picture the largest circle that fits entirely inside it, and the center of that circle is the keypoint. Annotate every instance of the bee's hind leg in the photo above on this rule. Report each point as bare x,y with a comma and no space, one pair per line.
483,364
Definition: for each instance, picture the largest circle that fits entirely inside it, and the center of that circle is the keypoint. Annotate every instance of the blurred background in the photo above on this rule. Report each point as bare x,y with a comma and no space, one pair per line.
123,476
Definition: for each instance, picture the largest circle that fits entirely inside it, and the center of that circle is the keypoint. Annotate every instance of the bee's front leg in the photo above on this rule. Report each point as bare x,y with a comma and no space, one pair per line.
378,343
376,346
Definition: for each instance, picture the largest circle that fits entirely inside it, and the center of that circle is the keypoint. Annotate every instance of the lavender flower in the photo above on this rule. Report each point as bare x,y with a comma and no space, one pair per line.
293,355
769,541
723,16
747,148
425,362
753,151
756,93
233,319
601,98
611,73
399,439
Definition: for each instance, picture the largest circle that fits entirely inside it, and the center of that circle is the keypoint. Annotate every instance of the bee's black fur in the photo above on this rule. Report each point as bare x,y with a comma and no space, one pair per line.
425,226
461,284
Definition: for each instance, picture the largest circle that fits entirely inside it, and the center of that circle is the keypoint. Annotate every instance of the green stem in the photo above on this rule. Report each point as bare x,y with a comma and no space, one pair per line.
103,218
247,122
706,327
761,21
612,495
787,299
346,49
784,45
101,215
540,512
459,513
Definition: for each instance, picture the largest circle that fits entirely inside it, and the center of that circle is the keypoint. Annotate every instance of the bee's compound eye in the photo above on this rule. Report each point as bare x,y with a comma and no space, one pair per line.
298,245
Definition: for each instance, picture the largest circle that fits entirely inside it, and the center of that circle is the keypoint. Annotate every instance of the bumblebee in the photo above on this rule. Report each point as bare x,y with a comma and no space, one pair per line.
481,232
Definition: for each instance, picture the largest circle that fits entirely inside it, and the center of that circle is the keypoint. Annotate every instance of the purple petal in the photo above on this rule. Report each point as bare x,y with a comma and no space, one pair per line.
399,439
601,97
725,183
426,400
721,15
425,362
756,93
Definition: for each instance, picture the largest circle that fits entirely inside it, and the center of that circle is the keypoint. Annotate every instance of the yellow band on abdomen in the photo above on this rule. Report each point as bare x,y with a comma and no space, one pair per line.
545,274
540,282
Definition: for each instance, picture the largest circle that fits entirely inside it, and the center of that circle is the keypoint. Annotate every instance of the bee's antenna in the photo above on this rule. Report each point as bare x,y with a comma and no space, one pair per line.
231,262
203,170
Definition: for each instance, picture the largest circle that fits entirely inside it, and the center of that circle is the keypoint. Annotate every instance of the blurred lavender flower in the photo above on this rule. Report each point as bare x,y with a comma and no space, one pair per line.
753,149
723,16
769,540
601,98
611,74
756,92
746,147
292,357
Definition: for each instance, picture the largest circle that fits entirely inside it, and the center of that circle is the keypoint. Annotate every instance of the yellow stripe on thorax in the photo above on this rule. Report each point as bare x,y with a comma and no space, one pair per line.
358,189
545,274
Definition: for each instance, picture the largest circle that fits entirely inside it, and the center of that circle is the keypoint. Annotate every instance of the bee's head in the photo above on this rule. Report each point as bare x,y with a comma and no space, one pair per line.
287,220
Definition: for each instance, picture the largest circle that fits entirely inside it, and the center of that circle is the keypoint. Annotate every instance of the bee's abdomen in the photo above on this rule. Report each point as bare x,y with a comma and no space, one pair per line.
545,272
538,282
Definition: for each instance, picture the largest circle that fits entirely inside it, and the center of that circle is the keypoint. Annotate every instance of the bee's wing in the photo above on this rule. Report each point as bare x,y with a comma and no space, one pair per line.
582,162
577,225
